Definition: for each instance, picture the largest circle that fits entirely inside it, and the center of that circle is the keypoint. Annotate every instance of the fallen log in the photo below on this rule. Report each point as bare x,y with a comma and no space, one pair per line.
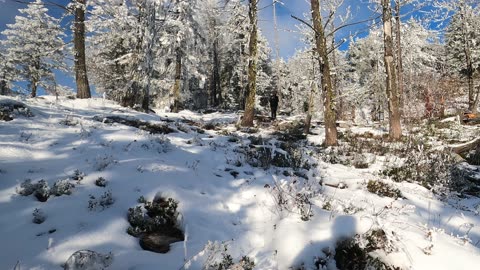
465,147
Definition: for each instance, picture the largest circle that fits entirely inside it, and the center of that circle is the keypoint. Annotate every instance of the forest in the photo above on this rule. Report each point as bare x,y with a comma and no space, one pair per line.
144,134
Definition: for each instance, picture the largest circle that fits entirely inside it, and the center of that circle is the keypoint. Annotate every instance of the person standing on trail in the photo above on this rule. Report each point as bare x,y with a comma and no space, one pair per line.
274,105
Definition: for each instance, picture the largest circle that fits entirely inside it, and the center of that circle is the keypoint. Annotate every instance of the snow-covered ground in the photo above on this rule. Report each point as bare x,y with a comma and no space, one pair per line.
216,209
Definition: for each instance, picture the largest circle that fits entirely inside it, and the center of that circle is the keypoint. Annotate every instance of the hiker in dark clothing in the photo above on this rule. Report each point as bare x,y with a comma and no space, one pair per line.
274,105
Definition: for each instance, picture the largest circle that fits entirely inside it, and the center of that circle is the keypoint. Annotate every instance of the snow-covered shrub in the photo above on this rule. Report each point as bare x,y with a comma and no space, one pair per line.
38,216
196,140
78,176
42,191
69,121
103,202
88,260
159,143
270,153
26,188
8,108
357,253
159,215
162,143
295,196
102,162
383,189
431,169
101,182
218,258
62,187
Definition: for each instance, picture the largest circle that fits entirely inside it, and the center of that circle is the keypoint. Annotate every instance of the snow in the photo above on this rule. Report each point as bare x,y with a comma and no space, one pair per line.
214,206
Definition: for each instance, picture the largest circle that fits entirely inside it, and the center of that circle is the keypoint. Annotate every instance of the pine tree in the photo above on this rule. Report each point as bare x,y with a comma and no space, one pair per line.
34,46
7,73
463,47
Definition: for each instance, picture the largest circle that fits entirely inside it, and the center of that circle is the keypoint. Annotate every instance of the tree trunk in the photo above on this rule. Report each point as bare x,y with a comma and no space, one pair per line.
395,130
249,113
35,78
150,39
178,80
308,119
83,88
398,40
3,87
34,88
477,101
215,86
327,89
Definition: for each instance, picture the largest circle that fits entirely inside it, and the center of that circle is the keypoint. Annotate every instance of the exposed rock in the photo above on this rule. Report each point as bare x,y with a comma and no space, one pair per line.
158,242
88,260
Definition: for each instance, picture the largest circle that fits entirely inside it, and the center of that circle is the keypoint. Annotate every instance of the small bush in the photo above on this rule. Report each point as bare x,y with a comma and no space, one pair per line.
101,182
295,197
383,189
160,215
42,191
26,188
355,253
103,202
78,176
220,259
38,216
62,187
103,161
429,169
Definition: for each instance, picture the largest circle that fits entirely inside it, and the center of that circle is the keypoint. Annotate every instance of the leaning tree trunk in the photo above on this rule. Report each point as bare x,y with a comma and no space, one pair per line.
327,89
83,88
249,113
395,130
178,80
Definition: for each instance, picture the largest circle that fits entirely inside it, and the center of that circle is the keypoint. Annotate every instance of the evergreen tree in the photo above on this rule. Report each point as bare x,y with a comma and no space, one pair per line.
463,47
34,46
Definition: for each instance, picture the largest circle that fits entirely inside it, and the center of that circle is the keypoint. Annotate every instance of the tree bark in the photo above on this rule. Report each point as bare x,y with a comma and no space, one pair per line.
3,87
398,40
308,119
395,130
327,89
83,88
215,86
34,88
247,120
178,80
